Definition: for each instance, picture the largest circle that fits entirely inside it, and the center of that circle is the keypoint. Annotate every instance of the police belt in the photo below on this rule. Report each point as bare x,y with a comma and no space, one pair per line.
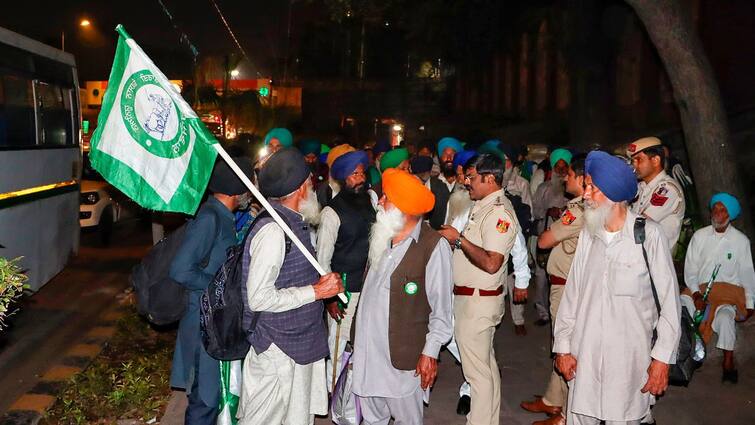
555,280
466,290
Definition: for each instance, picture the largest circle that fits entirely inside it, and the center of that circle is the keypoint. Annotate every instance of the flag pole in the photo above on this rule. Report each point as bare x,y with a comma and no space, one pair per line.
269,208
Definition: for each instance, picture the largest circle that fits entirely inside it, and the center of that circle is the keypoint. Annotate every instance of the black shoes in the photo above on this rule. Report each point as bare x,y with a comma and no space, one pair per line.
463,407
731,375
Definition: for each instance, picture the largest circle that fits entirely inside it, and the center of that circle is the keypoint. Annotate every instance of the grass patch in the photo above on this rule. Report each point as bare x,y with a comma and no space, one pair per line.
128,380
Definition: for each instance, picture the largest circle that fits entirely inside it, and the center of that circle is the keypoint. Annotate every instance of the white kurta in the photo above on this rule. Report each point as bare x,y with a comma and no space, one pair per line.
730,249
275,389
374,374
607,316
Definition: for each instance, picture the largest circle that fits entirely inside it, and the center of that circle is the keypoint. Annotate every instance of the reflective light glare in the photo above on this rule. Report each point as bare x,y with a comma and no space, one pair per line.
85,23
35,189
235,73
263,151
397,127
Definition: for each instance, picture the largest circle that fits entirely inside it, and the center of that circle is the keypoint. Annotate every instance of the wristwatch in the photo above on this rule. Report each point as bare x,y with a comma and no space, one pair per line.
457,242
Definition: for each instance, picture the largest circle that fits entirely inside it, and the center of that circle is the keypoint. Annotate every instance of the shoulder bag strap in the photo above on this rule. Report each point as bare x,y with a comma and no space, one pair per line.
639,238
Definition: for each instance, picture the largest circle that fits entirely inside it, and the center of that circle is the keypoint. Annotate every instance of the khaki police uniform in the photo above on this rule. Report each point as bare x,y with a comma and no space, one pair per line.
566,232
478,304
662,200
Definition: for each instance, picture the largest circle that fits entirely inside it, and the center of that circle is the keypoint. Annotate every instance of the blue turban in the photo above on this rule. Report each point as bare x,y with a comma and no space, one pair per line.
422,164
463,157
283,135
449,142
345,164
560,154
381,146
612,176
730,202
310,146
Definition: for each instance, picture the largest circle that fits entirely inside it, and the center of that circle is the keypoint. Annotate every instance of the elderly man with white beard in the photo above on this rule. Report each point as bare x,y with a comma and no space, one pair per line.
404,312
284,371
603,336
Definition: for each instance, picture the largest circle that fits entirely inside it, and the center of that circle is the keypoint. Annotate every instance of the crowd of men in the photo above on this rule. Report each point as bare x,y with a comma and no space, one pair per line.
428,245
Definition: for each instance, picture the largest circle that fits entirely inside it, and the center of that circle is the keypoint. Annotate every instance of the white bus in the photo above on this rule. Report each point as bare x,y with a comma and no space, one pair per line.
40,156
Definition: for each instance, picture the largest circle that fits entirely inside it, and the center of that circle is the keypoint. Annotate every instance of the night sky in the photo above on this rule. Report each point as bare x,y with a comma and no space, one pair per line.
260,26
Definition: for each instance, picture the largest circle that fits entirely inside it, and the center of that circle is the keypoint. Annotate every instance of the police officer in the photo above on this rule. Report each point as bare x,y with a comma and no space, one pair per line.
480,256
659,197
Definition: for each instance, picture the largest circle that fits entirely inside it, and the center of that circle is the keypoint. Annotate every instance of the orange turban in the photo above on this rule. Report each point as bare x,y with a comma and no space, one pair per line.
407,192
338,151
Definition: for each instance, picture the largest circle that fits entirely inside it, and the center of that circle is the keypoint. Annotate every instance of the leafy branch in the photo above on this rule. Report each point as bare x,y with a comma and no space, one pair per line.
12,285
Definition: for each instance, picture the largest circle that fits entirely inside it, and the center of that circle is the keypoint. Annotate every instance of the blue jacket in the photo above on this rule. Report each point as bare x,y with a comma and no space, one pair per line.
209,235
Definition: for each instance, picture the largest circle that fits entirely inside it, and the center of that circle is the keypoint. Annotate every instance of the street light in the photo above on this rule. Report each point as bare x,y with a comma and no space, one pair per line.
235,73
84,23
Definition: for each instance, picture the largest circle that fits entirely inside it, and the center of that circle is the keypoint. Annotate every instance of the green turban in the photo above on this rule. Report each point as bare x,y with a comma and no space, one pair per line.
560,154
310,146
283,135
393,158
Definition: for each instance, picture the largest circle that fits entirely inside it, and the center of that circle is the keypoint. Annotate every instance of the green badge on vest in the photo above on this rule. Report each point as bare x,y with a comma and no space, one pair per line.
411,288
728,256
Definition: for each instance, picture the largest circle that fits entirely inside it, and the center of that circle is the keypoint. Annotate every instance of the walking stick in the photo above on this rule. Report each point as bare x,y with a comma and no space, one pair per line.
335,356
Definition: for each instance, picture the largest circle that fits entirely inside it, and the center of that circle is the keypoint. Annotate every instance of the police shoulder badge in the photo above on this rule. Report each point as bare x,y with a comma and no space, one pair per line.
502,226
659,197
567,218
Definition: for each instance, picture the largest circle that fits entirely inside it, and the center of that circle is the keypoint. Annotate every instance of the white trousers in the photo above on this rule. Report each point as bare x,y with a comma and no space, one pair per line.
724,324
343,335
278,391
725,327
577,419
517,310
404,411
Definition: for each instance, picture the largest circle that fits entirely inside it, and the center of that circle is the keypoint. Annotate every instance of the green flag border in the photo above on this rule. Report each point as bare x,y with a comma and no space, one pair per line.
130,182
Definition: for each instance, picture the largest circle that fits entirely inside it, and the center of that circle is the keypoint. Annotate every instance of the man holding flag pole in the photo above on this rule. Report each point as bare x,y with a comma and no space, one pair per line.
152,146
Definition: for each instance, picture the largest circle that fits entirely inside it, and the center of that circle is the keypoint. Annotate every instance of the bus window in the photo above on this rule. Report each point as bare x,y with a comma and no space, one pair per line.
16,112
54,115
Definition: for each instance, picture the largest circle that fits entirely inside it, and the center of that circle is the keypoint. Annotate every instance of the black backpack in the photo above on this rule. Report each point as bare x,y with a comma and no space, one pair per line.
680,373
159,298
523,213
222,306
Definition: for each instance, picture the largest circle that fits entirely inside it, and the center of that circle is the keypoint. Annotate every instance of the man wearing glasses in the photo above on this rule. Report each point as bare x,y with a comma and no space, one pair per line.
480,255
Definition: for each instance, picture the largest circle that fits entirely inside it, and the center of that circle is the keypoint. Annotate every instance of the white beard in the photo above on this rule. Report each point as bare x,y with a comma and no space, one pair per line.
719,226
596,216
458,203
387,225
309,208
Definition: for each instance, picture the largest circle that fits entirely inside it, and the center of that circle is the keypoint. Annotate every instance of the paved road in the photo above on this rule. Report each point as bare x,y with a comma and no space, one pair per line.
525,366
57,316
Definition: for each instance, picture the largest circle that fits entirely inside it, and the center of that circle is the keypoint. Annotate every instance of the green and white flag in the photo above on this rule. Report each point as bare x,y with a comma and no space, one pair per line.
149,143
230,392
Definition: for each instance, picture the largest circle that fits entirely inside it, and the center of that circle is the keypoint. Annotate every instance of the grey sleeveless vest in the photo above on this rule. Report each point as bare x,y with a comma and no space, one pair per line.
300,333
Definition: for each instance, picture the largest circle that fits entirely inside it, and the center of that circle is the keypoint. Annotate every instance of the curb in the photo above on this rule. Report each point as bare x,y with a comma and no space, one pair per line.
31,407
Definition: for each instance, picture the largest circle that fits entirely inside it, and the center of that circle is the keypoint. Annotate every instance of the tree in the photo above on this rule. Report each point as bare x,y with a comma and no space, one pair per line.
706,131
12,285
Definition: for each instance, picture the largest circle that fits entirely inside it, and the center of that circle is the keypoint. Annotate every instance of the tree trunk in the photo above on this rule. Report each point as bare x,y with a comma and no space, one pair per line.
706,132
